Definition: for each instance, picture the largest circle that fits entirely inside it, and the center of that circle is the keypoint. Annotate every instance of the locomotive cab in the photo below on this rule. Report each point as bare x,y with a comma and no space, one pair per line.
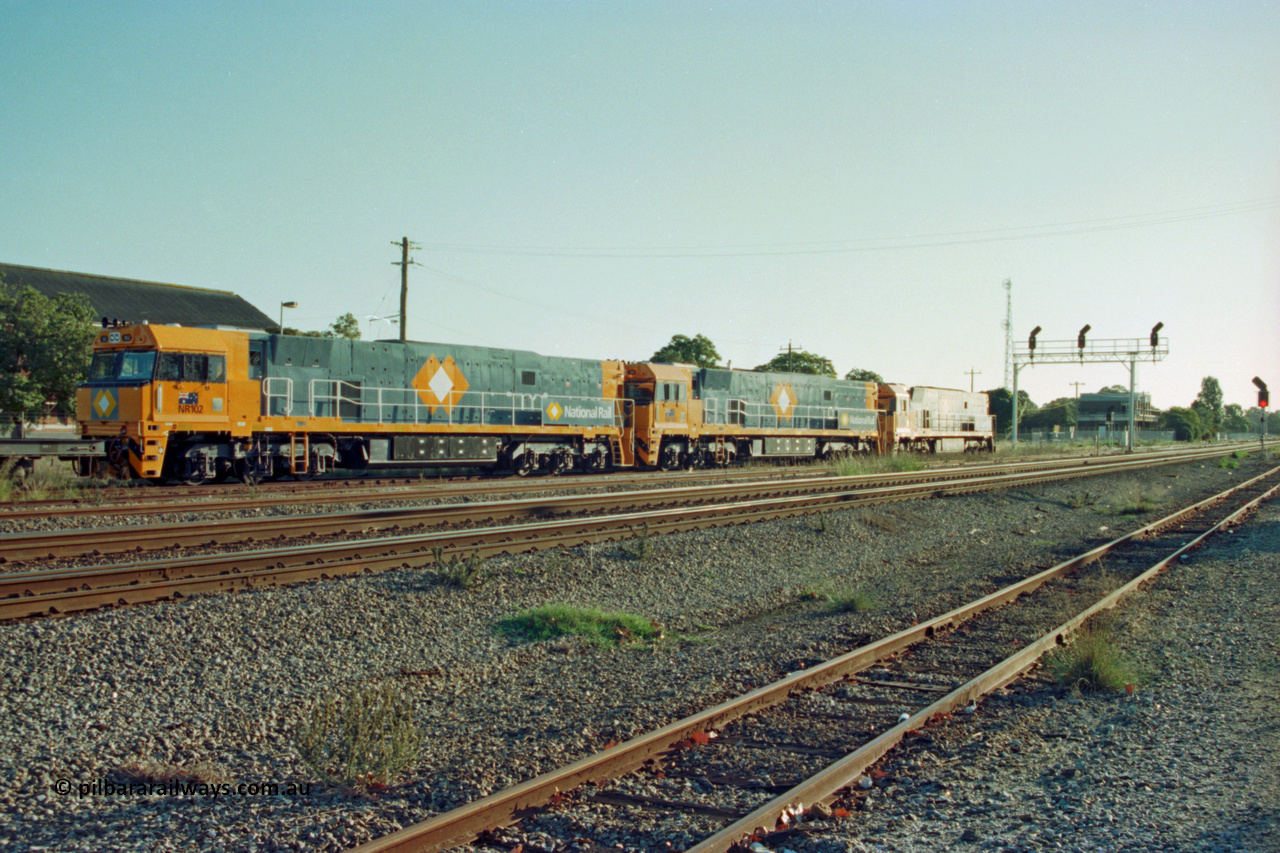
662,412
160,396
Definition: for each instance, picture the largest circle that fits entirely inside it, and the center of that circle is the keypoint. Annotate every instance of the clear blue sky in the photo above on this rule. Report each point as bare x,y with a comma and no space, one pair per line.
591,178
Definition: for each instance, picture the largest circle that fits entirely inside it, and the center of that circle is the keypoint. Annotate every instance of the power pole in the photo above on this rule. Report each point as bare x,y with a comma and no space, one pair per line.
789,361
403,263
1008,335
1077,387
971,373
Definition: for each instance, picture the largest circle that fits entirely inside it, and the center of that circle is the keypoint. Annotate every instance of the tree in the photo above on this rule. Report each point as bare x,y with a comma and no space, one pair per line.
45,348
1114,389
1000,404
1060,413
1208,405
345,326
1234,419
698,351
1185,423
798,361
1254,416
859,375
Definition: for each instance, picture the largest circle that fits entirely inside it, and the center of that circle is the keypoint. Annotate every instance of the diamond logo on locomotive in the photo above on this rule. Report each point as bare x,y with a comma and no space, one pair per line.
440,384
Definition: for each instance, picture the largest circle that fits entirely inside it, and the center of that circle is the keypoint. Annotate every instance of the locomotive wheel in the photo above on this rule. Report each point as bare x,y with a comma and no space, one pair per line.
247,472
525,464
672,458
561,463
597,462
189,472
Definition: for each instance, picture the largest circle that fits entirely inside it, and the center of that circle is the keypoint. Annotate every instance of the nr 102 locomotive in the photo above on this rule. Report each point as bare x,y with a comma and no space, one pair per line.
194,405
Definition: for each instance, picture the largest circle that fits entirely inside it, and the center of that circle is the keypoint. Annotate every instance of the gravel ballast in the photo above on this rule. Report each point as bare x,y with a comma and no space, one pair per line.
215,687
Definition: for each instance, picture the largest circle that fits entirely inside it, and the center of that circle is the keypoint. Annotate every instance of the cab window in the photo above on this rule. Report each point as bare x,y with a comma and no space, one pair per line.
121,366
191,367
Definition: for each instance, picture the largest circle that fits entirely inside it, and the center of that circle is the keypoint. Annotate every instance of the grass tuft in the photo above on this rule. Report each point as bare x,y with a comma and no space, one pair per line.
464,574
1135,502
1093,662
200,773
366,738
598,628
45,482
853,466
640,548
842,599
1080,500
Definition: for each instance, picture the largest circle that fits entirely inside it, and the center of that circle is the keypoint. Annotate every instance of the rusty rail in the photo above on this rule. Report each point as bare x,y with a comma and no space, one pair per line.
17,547
462,825
35,593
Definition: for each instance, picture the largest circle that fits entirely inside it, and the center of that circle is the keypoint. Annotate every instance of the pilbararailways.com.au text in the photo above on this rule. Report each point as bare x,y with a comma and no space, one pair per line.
175,788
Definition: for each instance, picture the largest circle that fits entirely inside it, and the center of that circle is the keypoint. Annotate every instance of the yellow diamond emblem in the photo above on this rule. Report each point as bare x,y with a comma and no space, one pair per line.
554,411
440,384
104,403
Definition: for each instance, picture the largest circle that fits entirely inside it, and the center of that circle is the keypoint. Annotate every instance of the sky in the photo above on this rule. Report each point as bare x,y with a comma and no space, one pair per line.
856,179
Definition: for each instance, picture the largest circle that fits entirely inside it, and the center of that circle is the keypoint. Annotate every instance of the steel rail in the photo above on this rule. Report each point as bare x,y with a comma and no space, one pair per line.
823,786
148,500
463,824
15,547
34,593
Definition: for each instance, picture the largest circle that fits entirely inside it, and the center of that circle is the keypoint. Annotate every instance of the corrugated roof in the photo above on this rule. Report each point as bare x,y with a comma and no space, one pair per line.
138,301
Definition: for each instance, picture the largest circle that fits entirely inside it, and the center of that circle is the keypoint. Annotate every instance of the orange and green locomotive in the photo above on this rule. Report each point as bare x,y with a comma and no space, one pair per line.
187,404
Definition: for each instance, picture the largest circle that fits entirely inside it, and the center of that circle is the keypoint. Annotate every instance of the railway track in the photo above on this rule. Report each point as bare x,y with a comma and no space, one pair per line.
866,701
237,497
59,591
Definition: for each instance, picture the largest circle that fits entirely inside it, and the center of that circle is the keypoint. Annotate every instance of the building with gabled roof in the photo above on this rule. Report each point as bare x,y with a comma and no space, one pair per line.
143,301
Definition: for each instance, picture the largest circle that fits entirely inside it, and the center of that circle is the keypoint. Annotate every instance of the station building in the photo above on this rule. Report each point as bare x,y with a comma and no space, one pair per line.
1096,410
142,301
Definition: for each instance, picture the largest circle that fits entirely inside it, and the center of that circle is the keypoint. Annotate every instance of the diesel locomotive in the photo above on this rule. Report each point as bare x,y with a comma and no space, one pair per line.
187,404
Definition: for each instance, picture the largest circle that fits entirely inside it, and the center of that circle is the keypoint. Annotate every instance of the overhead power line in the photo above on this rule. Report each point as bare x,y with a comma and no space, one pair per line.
877,244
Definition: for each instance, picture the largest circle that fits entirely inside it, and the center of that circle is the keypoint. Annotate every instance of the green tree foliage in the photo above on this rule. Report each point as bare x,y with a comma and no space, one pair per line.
1185,423
859,375
346,326
1254,416
799,361
1000,404
1060,413
45,347
1114,389
698,351
1208,405
1234,419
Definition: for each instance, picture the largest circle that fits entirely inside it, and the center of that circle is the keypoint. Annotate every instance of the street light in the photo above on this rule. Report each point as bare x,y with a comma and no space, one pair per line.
373,318
284,305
